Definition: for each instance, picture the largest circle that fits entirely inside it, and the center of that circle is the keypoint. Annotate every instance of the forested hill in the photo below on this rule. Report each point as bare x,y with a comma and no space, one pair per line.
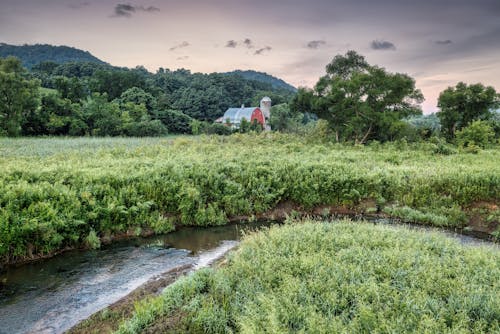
31,55
266,78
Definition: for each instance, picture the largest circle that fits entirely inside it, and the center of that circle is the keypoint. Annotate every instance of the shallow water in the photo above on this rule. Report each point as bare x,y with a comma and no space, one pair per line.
53,295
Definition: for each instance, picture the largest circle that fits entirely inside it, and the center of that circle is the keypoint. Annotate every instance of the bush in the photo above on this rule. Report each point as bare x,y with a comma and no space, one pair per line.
92,240
477,133
175,121
146,129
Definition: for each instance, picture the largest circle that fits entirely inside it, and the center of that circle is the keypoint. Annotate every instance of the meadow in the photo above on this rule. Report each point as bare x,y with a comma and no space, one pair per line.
334,277
61,193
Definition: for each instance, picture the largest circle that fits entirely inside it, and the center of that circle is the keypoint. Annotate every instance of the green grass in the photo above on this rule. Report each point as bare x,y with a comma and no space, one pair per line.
338,277
55,191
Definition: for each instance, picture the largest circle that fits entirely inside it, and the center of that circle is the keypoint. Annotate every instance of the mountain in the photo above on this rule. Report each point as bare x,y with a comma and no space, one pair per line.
31,55
264,77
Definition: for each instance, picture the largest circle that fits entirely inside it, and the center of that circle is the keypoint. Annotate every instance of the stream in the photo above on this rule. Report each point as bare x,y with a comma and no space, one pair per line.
52,295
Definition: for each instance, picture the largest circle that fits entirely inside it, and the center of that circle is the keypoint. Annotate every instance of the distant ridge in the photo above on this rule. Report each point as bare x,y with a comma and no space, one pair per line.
264,77
31,55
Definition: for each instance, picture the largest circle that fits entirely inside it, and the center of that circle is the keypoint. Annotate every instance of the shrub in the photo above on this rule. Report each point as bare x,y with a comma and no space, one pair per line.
477,133
92,240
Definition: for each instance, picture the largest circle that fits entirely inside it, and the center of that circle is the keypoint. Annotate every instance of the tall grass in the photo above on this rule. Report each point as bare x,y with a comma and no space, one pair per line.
55,192
339,277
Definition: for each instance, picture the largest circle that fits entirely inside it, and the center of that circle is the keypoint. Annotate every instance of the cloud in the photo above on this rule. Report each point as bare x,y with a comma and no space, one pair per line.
180,46
183,58
382,45
79,5
248,43
315,44
231,44
262,50
445,42
126,10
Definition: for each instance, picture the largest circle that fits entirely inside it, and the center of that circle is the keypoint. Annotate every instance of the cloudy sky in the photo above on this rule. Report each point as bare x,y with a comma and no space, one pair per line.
438,42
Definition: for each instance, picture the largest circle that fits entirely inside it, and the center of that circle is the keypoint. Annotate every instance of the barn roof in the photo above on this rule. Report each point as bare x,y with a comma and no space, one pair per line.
235,115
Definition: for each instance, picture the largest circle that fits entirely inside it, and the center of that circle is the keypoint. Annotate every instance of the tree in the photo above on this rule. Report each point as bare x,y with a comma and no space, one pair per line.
284,119
361,101
462,104
103,118
175,121
137,95
18,95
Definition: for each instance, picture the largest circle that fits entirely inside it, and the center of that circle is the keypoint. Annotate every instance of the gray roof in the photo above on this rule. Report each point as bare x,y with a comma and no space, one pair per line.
235,115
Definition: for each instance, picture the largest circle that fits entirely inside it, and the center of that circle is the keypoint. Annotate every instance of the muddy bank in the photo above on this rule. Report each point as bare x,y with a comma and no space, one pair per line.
479,224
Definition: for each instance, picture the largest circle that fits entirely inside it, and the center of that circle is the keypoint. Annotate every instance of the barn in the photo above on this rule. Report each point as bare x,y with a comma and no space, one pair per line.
233,116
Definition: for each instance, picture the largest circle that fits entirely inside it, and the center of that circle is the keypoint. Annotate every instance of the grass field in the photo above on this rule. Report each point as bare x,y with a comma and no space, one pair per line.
58,193
338,277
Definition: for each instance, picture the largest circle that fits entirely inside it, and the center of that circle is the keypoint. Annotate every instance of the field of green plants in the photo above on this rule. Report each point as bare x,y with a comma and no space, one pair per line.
334,277
63,193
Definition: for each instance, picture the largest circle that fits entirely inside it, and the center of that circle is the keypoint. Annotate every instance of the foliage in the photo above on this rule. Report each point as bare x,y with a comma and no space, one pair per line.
47,204
337,277
265,78
477,133
425,125
18,96
282,119
462,104
31,55
175,121
204,97
92,240
361,102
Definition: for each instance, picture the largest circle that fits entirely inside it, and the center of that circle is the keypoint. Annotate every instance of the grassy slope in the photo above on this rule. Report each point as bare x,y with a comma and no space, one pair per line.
54,193
337,277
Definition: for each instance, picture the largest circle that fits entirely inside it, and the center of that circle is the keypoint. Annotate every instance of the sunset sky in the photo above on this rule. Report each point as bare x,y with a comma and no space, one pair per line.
438,42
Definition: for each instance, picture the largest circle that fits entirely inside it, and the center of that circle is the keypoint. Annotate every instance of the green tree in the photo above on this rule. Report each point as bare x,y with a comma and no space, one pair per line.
175,121
284,119
462,104
137,95
18,95
60,114
103,118
361,101
69,88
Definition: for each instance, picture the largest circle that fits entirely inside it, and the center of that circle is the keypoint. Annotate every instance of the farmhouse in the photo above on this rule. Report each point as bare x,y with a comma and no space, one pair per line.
234,116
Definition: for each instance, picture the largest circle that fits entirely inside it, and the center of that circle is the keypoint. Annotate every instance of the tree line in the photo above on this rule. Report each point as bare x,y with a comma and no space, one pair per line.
353,102
360,102
83,98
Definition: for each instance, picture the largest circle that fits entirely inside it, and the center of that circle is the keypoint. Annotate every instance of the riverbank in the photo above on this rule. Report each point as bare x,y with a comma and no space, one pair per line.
58,194
334,277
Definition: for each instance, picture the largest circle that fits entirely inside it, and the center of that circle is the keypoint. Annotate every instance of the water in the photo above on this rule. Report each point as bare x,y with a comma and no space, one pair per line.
53,295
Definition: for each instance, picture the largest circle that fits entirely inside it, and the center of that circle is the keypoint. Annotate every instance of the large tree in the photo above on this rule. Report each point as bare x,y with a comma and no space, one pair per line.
462,104
18,95
361,101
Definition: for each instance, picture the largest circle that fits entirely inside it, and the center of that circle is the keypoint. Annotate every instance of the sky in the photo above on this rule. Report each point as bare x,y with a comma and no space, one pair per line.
437,42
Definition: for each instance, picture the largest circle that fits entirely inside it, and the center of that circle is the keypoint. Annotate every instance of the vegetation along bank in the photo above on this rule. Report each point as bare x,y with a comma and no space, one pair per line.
63,193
